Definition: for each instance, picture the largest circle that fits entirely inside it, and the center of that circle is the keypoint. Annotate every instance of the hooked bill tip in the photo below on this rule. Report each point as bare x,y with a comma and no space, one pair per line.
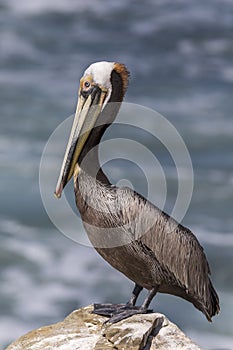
57,195
58,191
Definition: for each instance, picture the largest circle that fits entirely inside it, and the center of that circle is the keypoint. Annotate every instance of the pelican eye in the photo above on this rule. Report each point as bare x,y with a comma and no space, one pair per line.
86,88
87,84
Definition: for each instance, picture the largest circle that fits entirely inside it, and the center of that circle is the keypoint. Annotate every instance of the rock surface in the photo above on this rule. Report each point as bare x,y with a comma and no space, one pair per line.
83,330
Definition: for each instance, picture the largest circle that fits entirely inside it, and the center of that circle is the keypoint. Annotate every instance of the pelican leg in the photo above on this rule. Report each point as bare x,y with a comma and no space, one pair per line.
149,297
112,309
137,290
134,310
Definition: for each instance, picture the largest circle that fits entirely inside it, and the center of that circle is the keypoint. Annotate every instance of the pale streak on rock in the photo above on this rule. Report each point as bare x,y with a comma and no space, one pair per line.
82,330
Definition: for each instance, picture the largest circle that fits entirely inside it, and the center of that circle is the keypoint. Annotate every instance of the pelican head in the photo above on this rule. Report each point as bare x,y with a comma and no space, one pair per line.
102,82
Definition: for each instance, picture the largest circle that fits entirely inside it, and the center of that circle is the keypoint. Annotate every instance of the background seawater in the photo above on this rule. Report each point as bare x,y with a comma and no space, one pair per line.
180,55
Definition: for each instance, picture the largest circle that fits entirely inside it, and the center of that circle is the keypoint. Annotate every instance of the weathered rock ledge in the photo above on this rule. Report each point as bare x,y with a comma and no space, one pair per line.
86,331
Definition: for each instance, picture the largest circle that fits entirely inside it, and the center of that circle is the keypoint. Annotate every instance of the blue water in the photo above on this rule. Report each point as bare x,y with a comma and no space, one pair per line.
180,57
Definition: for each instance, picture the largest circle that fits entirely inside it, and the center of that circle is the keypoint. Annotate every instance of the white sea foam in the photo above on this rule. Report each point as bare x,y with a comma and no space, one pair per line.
42,6
227,74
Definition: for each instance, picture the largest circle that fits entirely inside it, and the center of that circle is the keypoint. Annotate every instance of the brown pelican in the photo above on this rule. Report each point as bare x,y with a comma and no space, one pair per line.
129,232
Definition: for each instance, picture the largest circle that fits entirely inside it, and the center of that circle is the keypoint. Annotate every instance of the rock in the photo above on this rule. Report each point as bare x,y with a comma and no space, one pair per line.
82,330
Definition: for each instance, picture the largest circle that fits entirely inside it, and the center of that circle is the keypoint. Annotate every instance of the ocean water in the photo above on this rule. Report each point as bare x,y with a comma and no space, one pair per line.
180,57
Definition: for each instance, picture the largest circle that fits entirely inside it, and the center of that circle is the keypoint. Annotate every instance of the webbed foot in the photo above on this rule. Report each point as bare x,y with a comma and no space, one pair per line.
130,311
118,312
108,309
